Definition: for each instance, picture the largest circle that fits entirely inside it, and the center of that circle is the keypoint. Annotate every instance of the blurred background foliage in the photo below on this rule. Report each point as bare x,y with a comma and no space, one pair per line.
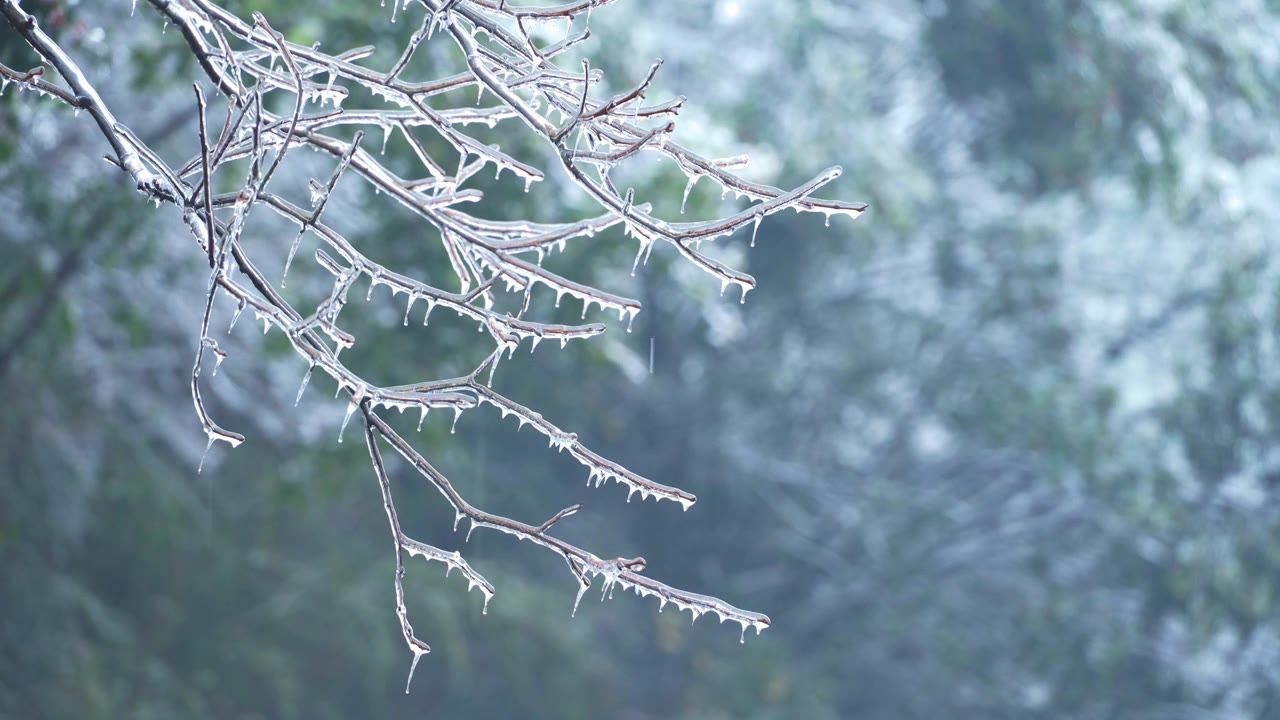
1005,447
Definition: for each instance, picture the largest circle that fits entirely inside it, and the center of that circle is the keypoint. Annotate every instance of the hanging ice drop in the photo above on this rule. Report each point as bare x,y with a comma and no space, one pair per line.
351,408
303,387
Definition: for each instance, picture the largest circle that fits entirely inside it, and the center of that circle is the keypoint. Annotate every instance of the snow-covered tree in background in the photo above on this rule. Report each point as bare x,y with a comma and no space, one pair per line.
1062,401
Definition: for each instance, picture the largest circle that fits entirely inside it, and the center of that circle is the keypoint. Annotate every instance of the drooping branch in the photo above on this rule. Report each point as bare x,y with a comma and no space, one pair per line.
247,61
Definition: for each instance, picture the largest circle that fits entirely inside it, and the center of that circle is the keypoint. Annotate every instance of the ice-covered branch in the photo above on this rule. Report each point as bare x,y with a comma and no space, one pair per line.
505,58
624,572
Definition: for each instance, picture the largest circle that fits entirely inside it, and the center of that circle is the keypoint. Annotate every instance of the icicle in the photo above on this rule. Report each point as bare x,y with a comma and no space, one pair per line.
293,250
422,418
645,243
647,253
416,656
209,446
756,228
413,296
351,408
688,188
582,590
457,413
217,362
470,530
302,388
236,316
